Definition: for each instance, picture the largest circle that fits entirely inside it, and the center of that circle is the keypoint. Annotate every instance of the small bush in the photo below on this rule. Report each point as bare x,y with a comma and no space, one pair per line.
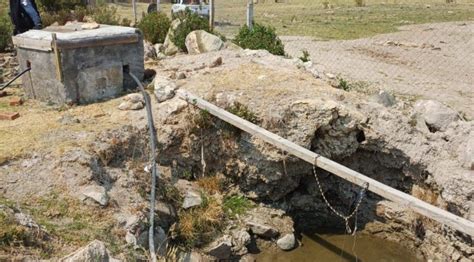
189,22
6,30
343,84
305,57
260,37
155,27
106,15
58,5
244,112
63,16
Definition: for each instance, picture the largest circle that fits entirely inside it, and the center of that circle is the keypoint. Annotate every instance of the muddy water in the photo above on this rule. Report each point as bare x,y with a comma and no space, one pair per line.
337,247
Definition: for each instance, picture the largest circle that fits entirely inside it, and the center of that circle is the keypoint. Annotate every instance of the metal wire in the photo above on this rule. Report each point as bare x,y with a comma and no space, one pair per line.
154,172
354,212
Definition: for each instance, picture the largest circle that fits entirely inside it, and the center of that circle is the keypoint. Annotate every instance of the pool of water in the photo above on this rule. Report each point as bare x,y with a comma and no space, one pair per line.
339,247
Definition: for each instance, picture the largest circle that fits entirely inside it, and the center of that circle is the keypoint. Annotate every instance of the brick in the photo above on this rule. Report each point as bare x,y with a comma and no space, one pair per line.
9,115
3,93
16,101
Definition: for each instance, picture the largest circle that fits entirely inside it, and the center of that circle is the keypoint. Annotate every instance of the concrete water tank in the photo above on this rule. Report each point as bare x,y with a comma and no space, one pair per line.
74,65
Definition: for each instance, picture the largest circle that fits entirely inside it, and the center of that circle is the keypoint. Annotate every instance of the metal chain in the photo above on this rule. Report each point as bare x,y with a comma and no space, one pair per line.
345,218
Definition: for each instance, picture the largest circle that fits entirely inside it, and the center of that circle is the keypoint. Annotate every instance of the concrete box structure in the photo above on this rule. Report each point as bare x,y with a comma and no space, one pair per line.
80,65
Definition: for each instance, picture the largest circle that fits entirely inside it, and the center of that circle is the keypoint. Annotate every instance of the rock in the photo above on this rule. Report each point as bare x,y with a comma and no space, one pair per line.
94,251
467,154
127,105
160,56
158,48
385,98
181,75
68,120
134,98
166,214
190,257
330,76
169,48
88,26
164,87
191,199
217,62
287,242
436,115
96,193
262,230
200,41
240,240
231,46
221,248
160,240
148,50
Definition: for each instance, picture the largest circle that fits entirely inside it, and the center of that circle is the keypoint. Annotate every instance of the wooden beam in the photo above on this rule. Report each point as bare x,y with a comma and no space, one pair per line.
406,200
57,57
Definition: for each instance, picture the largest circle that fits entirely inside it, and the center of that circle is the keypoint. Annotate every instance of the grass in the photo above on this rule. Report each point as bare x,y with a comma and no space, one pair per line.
236,205
210,184
69,223
198,226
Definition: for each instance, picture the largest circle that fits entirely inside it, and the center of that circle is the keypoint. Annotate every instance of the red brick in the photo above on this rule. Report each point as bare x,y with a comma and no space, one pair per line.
9,115
16,101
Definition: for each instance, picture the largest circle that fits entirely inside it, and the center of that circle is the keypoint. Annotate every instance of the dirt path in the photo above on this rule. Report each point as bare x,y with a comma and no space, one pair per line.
431,61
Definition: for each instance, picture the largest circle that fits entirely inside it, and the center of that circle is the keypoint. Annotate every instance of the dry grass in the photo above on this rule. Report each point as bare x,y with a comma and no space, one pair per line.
211,184
198,226
38,130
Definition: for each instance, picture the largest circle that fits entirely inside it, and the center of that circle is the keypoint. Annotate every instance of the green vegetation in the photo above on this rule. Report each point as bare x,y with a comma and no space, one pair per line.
155,27
243,111
260,37
189,22
6,30
343,84
359,3
236,205
305,57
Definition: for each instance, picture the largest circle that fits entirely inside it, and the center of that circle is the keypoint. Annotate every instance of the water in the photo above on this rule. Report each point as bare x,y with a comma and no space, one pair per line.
337,247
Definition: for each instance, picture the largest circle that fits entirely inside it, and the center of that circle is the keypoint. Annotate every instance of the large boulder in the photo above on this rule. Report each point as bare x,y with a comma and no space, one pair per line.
94,251
200,41
437,116
169,48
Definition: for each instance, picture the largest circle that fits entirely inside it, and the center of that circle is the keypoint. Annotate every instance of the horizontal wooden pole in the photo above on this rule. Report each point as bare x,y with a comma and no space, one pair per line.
406,200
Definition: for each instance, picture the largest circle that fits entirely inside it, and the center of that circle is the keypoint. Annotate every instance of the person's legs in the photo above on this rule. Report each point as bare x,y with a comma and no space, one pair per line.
30,10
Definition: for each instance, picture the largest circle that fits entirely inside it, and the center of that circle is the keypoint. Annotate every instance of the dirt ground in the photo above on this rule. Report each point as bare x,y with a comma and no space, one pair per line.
432,61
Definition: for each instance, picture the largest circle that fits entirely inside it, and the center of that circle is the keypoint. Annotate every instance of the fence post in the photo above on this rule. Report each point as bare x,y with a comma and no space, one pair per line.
158,6
211,14
250,14
134,6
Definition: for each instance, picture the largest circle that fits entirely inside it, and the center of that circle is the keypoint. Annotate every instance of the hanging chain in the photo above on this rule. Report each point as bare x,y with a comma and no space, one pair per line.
354,212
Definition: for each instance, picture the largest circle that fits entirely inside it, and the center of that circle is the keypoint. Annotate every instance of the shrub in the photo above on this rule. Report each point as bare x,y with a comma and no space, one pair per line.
155,27
236,205
6,30
260,37
58,5
189,22
63,16
105,15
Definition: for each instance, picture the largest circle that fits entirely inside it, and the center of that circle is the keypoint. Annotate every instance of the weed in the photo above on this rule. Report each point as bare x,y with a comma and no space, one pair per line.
203,119
359,3
343,84
236,205
187,174
243,111
305,57
260,37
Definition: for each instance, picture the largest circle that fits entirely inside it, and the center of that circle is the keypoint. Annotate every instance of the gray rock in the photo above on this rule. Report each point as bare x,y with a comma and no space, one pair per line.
287,242
200,41
68,120
181,75
148,50
262,230
467,155
385,98
158,48
231,46
240,240
191,199
221,248
164,87
436,115
166,214
134,98
217,62
191,257
96,193
160,240
94,251
128,105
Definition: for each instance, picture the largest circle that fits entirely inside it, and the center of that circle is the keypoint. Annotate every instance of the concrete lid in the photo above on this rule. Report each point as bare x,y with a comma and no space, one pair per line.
73,36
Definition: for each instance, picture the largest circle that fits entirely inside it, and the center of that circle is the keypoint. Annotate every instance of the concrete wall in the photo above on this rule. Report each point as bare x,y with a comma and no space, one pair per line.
89,74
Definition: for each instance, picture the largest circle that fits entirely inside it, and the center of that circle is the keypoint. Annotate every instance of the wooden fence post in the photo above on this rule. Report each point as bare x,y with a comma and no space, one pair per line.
250,14
211,14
